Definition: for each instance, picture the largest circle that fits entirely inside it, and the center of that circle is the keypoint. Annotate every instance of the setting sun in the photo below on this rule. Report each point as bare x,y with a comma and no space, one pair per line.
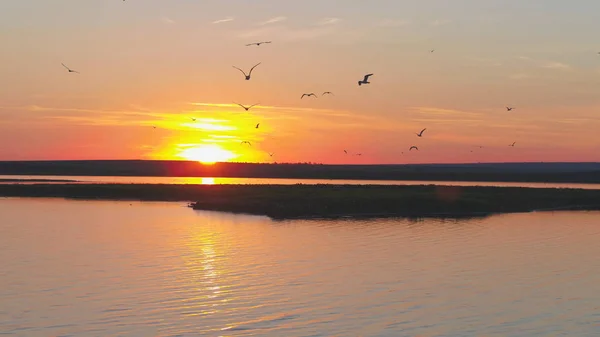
207,154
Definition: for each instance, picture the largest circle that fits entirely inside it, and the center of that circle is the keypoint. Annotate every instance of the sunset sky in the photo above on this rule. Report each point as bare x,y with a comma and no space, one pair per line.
146,63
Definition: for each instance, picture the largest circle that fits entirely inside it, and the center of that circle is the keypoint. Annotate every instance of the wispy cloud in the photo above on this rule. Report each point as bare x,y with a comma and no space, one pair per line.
442,111
227,19
555,65
167,20
273,20
393,23
329,21
519,76
290,34
437,23
546,64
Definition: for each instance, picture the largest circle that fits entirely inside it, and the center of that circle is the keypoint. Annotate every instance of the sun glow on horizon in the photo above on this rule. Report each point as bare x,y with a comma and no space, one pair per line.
207,154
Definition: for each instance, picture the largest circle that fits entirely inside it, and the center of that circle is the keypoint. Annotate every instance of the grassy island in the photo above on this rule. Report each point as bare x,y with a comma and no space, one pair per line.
304,201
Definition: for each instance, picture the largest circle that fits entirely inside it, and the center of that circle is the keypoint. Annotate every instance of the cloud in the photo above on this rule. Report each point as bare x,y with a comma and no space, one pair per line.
443,112
393,23
227,19
546,64
273,20
519,76
167,20
555,65
290,34
437,23
329,21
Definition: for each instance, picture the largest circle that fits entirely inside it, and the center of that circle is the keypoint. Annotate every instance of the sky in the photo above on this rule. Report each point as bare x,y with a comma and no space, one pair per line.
148,68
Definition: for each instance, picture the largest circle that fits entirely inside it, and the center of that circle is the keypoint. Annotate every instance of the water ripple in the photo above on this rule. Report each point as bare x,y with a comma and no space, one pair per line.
160,270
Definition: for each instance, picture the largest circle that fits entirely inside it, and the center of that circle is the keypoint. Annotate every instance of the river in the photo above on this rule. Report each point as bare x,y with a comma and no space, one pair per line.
90,268
11,179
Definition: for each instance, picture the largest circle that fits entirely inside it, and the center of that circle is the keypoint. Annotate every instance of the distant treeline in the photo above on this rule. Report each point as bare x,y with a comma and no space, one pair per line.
501,172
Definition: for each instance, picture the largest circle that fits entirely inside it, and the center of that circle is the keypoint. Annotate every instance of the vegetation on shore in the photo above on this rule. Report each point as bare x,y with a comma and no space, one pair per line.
506,172
302,201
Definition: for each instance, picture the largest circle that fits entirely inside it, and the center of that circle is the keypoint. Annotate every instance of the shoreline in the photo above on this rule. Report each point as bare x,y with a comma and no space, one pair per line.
575,173
282,202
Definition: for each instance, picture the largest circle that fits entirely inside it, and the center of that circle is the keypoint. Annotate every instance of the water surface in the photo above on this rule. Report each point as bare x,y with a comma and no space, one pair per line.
273,181
77,268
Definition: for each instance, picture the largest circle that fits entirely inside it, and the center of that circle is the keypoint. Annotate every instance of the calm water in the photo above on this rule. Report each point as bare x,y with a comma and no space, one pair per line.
268,181
75,268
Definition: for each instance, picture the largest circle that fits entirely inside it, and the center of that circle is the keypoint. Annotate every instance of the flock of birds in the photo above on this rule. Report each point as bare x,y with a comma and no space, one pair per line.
248,76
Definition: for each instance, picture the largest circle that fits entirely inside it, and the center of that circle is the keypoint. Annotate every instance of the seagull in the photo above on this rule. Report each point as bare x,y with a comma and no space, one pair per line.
365,80
413,147
359,154
245,142
311,94
257,125
271,154
69,69
509,109
431,51
257,43
327,93
249,73
346,152
247,107
513,144
420,134
193,119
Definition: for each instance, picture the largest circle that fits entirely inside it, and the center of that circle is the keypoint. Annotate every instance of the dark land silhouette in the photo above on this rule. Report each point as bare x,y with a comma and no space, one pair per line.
309,201
500,172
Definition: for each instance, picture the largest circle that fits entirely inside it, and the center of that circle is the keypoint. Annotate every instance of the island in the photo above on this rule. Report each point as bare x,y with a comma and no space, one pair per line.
329,201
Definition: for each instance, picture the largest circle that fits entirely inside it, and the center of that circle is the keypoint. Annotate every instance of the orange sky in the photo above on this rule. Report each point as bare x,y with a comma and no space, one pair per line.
157,64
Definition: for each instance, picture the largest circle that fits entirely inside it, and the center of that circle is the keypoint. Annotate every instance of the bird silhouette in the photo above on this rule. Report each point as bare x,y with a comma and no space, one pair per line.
432,50
271,154
257,125
69,69
311,94
420,134
513,144
247,107
327,93
193,119
509,109
365,80
358,154
346,152
245,142
249,73
257,43
413,147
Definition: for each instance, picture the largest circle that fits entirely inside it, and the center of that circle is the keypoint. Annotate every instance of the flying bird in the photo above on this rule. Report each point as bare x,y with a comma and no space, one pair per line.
346,152
193,119
365,80
420,134
246,142
327,93
69,69
249,73
431,51
247,107
413,147
359,154
509,109
513,144
271,154
257,125
311,94
257,43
